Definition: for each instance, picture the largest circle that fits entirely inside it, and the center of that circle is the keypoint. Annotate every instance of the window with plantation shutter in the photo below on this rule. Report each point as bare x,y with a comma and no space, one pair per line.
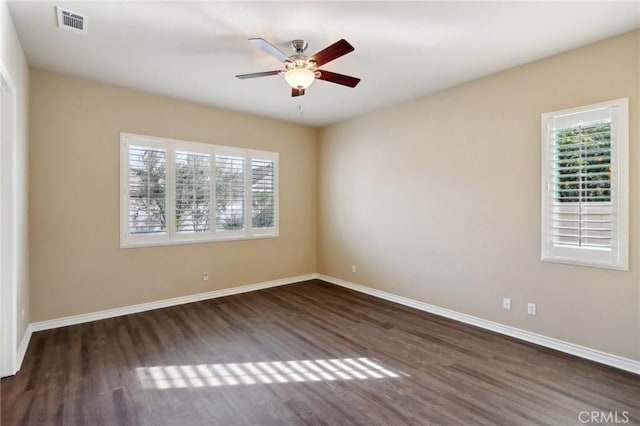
192,192
585,185
230,192
147,190
177,192
263,193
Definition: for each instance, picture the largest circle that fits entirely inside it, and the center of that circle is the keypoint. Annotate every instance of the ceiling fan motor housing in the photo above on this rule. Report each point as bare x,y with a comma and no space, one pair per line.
299,60
299,46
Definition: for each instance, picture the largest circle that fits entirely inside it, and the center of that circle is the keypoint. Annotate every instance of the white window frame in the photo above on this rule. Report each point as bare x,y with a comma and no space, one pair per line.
171,236
618,256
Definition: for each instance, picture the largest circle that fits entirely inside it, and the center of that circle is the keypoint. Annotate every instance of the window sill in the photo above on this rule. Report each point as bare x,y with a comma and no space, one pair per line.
140,244
577,262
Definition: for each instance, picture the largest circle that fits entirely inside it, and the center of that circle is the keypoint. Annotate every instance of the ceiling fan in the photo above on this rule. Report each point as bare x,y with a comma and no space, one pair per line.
301,70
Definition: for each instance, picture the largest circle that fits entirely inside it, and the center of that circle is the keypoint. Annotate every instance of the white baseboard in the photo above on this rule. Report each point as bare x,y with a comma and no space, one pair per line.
22,349
142,307
549,342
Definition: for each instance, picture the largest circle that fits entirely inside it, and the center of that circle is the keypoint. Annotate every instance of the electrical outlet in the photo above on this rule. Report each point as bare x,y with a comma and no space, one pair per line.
353,268
506,303
531,309
205,276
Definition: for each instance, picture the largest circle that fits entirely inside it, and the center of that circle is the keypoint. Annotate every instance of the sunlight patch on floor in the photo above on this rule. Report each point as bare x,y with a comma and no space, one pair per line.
250,373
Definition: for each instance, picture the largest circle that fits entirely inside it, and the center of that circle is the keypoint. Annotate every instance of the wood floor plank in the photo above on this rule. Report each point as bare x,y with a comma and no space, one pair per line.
303,354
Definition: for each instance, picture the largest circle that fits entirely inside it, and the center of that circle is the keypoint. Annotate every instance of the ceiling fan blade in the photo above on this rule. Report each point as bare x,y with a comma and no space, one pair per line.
328,54
296,92
345,80
258,74
269,48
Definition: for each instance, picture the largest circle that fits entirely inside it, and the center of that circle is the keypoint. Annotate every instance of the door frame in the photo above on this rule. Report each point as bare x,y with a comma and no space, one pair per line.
8,224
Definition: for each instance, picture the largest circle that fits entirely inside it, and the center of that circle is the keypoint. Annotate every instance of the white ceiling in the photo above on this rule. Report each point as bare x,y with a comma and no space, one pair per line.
403,50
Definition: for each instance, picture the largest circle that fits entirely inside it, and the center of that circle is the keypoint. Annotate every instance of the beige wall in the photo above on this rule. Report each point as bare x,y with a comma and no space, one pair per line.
435,199
12,58
76,263
439,200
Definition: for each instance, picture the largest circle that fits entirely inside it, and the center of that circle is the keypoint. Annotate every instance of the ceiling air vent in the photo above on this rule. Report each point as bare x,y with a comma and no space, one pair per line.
72,21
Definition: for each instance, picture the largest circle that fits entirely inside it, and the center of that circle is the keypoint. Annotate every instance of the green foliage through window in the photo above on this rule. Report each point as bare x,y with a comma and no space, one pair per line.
583,163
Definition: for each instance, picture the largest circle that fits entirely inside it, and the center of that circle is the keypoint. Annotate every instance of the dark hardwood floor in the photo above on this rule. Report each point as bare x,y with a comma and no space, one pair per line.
308,353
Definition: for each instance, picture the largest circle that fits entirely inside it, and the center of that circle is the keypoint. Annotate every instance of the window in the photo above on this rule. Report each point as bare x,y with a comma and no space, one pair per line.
176,192
230,192
585,185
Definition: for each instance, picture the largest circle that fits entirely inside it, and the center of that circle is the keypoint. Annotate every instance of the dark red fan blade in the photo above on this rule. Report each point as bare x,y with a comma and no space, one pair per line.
269,48
328,54
258,74
297,92
345,80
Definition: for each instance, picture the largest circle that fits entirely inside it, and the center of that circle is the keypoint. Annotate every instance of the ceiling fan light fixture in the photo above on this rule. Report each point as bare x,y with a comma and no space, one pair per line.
300,70
299,78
